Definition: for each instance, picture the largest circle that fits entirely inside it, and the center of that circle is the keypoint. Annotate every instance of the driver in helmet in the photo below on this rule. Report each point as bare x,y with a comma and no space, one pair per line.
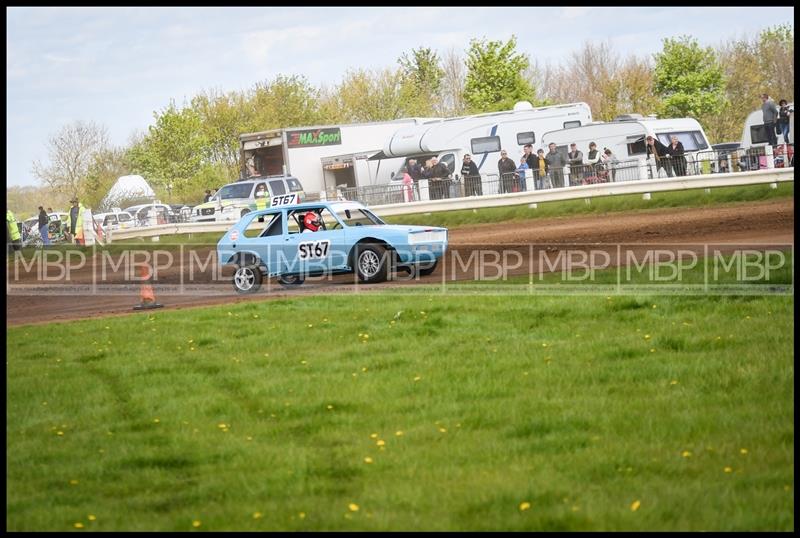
311,222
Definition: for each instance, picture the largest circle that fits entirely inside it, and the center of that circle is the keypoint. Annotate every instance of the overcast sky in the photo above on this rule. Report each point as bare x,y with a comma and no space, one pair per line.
116,66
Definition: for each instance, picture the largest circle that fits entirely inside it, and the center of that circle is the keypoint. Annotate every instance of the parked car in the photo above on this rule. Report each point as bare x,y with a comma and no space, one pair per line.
114,220
142,214
235,200
294,241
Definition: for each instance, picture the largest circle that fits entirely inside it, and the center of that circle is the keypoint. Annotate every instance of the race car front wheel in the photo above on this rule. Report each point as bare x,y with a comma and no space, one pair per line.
247,279
372,263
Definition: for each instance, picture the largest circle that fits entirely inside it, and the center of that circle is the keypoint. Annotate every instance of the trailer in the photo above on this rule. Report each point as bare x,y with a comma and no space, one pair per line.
482,135
754,133
322,157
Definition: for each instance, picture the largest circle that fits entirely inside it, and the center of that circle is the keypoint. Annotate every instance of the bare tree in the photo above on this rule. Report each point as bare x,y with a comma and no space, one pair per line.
452,91
71,152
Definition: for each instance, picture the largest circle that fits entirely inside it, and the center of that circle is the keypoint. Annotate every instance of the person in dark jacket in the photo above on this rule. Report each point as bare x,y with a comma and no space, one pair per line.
44,222
506,168
783,119
439,175
414,170
659,151
472,177
207,197
530,156
575,164
676,153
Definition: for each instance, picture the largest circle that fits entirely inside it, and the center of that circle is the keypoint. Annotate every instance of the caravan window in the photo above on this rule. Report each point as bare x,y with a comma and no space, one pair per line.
526,138
691,140
571,124
124,217
758,134
487,144
636,145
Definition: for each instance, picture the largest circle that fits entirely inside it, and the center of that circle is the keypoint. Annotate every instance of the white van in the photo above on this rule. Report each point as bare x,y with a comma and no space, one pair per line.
234,200
625,137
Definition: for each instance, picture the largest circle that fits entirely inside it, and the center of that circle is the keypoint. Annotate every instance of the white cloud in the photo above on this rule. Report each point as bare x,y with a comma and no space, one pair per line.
259,47
573,12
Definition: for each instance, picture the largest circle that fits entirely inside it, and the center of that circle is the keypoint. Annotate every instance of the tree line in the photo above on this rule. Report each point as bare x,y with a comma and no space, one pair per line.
194,145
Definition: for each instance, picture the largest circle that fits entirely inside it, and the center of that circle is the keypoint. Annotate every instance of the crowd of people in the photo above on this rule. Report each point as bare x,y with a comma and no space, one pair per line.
776,118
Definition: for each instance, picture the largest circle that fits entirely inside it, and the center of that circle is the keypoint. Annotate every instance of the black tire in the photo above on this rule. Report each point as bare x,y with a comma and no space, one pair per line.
247,279
372,263
290,280
428,269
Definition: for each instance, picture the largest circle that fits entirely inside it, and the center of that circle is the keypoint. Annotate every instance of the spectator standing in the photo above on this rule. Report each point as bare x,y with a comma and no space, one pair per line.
769,113
540,169
530,156
414,170
659,152
439,174
522,172
44,222
207,197
594,162
610,161
75,221
676,153
556,163
506,169
575,157
472,177
783,119
13,240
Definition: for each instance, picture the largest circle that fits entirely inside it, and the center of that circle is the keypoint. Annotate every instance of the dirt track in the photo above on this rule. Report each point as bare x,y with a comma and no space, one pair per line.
762,223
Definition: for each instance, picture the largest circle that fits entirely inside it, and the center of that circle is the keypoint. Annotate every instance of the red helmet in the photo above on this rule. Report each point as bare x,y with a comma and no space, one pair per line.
312,221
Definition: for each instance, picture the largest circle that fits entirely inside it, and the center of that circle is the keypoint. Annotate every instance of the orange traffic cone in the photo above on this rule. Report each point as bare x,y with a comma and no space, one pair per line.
147,296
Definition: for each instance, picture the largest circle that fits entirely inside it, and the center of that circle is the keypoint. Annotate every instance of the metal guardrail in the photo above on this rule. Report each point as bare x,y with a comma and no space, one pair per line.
494,198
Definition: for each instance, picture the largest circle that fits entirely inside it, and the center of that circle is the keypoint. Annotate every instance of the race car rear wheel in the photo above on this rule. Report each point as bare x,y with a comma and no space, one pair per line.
372,263
247,279
428,268
290,280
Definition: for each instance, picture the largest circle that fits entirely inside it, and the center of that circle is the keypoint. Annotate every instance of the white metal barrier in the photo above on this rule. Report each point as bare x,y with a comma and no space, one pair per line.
645,186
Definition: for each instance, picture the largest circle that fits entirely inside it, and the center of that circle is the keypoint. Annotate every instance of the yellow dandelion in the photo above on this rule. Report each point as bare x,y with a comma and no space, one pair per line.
196,523
647,337
381,442
686,454
417,378
222,425
635,505
156,420
544,345
368,460
373,436
330,407
59,432
78,525
398,433
364,369
91,517
74,482
353,507
524,506
654,306
257,515
249,438
652,350
301,515
743,451
673,382
443,430
303,362
728,470
310,325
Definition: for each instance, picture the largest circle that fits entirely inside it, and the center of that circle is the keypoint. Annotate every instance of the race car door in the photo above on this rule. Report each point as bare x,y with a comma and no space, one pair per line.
264,236
307,251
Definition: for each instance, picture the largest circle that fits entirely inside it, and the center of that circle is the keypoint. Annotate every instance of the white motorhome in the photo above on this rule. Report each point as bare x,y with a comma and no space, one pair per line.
625,137
754,133
322,157
483,135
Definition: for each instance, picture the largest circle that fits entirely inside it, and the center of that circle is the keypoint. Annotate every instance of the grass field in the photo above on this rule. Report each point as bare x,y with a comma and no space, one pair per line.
408,412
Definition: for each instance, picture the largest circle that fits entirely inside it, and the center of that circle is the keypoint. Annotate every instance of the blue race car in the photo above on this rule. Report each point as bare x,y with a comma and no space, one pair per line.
292,242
